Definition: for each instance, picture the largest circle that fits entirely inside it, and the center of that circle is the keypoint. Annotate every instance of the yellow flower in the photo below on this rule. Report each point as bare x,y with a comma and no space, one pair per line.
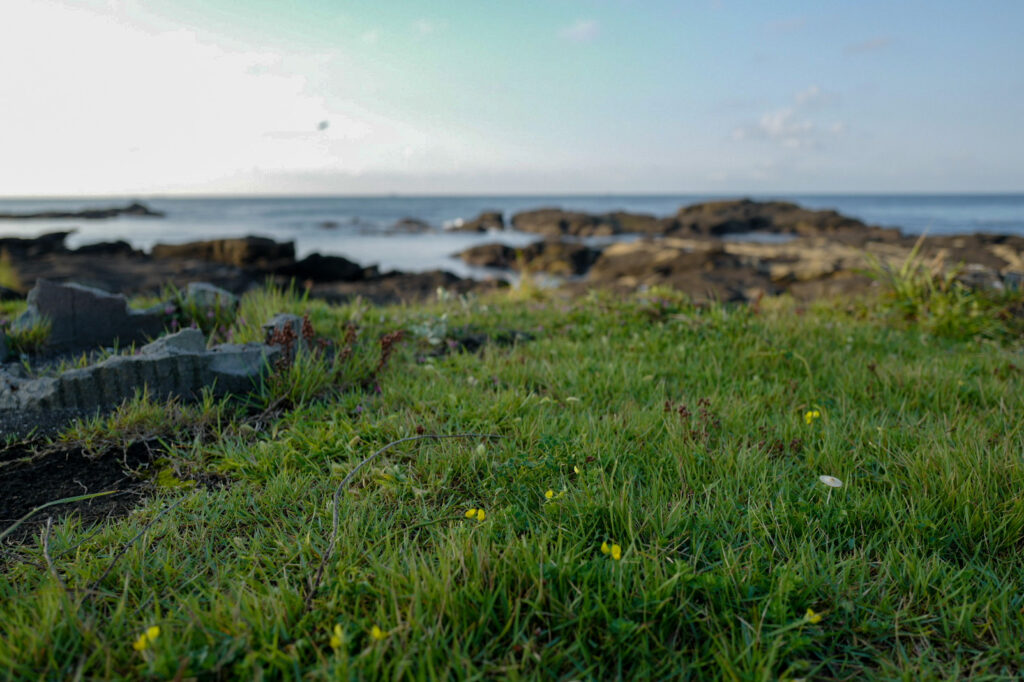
811,415
549,494
812,617
616,552
605,549
377,633
146,638
577,470
470,513
337,638
480,515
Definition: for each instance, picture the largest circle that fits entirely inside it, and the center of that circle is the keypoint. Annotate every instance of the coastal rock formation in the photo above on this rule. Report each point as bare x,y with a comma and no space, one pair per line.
411,225
85,318
243,252
776,217
317,268
706,274
554,222
488,220
551,256
178,365
134,209
117,248
33,247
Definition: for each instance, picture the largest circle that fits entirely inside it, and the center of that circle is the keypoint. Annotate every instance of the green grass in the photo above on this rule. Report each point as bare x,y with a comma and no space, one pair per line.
673,431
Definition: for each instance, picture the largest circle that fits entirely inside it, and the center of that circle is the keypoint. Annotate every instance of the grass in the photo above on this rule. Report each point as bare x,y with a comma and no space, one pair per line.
677,433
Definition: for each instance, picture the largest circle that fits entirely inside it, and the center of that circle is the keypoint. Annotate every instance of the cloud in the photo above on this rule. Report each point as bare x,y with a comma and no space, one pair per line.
581,31
791,126
813,97
872,45
195,112
371,37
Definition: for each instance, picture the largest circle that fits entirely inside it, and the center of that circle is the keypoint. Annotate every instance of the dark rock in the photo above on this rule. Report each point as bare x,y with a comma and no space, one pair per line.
779,217
489,256
488,220
704,275
317,268
118,248
82,318
328,225
134,209
32,247
554,222
244,252
411,225
3,347
551,256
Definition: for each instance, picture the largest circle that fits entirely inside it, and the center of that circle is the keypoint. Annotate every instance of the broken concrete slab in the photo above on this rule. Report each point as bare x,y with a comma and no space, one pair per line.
178,365
83,318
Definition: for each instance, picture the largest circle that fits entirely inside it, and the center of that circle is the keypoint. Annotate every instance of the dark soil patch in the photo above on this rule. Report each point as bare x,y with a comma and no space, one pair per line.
30,477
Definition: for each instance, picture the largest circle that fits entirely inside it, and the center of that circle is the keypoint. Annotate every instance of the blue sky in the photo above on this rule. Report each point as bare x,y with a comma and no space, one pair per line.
552,96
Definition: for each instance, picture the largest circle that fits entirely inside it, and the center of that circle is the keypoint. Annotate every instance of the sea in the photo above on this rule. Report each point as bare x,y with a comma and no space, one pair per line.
364,229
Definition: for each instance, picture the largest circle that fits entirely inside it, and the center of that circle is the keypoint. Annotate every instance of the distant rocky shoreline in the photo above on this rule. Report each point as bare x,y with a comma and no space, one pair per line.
713,250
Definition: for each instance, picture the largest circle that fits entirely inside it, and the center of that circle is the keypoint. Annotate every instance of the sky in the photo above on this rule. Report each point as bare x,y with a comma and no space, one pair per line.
167,97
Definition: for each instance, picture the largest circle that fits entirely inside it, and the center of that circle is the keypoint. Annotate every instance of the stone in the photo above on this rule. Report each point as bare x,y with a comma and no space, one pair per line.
411,225
551,256
246,252
117,248
318,268
83,318
178,365
31,247
274,330
206,296
134,209
4,352
486,221
554,222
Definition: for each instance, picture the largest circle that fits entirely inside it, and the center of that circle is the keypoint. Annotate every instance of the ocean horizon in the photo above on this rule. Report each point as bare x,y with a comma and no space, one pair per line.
363,228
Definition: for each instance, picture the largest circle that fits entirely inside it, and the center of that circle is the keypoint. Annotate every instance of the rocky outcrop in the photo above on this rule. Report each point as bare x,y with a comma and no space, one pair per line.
488,220
178,365
413,225
134,209
554,222
317,268
33,247
85,318
706,274
718,218
118,248
551,256
244,252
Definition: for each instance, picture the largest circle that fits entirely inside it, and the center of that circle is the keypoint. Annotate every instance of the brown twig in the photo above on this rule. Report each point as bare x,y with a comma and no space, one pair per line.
314,584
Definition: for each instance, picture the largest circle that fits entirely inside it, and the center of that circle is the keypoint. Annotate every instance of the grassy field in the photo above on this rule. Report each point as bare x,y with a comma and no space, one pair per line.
643,500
